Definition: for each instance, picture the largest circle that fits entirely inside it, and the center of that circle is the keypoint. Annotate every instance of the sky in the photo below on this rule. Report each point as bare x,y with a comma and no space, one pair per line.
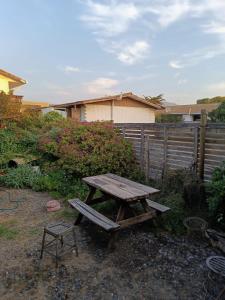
71,50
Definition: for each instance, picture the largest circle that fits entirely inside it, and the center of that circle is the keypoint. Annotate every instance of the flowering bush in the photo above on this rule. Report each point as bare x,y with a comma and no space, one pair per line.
88,149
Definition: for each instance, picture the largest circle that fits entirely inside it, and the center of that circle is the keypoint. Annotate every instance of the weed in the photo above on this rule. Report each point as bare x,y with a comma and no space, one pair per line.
8,233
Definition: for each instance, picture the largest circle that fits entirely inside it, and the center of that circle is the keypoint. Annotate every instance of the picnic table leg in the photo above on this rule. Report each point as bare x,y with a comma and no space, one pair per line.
87,201
114,235
146,209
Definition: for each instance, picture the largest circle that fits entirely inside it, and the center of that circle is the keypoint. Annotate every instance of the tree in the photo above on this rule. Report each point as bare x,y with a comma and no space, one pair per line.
216,99
218,115
155,99
9,106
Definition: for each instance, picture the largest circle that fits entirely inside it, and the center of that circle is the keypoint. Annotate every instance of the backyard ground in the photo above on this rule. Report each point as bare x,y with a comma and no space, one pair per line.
143,266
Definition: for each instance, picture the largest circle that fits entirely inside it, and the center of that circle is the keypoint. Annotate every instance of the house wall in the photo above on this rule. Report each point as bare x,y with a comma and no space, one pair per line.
97,112
187,118
120,111
4,84
76,113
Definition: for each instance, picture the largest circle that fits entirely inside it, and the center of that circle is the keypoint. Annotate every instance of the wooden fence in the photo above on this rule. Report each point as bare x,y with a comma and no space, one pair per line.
163,147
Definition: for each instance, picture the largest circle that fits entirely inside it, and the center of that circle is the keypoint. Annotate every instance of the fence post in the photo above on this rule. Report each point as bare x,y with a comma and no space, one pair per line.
142,148
124,131
195,156
147,158
165,151
203,124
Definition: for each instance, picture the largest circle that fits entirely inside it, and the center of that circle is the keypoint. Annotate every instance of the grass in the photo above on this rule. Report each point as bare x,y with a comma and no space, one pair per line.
34,231
7,232
66,213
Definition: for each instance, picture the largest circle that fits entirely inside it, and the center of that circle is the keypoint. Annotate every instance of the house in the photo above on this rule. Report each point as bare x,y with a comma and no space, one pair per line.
190,112
123,108
8,82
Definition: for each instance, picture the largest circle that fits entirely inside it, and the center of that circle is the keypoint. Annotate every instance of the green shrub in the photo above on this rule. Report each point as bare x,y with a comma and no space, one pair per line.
175,180
21,177
216,195
218,115
167,118
52,116
178,192
173,219
60,184
89,149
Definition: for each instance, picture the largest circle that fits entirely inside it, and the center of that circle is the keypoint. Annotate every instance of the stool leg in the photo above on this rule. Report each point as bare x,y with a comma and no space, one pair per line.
75,241
43,244
61,240
56,253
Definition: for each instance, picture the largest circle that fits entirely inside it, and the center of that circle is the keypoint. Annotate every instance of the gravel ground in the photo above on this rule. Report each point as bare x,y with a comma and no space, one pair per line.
143,266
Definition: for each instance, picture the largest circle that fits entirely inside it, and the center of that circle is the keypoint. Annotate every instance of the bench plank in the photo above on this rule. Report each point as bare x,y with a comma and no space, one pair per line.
93,215
159,207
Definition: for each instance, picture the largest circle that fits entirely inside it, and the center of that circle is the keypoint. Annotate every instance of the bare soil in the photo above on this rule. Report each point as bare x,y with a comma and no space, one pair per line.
143,266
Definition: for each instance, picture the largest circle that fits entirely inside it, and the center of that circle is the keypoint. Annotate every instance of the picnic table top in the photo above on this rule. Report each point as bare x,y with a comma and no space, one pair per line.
120,187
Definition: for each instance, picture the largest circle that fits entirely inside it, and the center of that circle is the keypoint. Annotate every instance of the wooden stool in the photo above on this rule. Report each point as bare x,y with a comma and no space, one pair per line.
58,231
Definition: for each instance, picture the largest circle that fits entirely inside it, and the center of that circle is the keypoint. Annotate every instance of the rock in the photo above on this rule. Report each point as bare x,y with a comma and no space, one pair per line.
53,205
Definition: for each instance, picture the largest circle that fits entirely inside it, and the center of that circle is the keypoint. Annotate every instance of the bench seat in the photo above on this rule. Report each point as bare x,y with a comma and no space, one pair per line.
158,207
93,215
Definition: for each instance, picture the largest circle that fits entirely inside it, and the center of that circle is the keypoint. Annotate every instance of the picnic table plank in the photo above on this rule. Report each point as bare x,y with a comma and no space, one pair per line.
123,186
137,219
112,189
137,185
120,187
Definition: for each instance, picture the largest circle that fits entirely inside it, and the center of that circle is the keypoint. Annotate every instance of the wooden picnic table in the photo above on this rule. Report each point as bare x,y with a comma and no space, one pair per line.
125,192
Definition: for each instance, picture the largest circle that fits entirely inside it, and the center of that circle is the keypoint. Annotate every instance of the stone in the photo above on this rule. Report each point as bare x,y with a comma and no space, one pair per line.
53,205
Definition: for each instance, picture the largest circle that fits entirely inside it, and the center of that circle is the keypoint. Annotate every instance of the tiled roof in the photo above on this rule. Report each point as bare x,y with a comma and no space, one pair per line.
107,98
192,109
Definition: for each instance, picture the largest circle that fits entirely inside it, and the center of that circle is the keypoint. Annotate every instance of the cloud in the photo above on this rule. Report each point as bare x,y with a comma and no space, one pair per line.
134,53
175,64
169,12
102,86
69,69
110,19
215,28
217,87
116,23
182,81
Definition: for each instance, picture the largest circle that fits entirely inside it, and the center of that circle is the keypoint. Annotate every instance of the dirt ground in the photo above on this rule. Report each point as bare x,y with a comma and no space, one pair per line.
143,266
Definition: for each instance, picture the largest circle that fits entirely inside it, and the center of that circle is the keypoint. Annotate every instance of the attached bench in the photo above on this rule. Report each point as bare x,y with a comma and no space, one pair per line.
93,215
158,207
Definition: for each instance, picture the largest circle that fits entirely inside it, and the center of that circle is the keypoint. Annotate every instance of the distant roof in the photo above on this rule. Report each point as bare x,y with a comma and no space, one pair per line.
16,81
107,98
35,103
192,109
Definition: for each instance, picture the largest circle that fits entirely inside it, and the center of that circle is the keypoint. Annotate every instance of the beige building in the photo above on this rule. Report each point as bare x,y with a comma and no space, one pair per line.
190,112
123,108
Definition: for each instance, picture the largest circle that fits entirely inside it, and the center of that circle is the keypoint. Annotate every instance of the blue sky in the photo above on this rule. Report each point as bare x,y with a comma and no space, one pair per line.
72,49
